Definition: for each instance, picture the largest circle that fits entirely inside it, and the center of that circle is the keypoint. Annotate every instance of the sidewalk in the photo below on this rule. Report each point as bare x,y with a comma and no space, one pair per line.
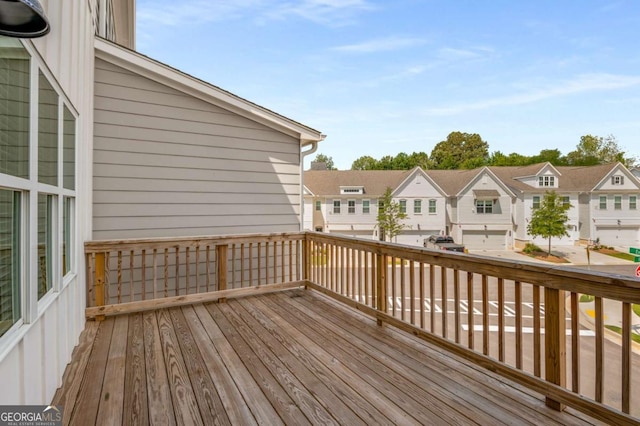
574,254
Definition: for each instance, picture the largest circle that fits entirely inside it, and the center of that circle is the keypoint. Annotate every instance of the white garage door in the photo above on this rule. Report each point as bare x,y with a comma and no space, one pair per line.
619,236
414,238
484,240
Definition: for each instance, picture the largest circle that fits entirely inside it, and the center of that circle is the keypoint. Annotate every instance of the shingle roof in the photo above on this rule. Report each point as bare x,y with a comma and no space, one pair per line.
452,181
583,178
375,182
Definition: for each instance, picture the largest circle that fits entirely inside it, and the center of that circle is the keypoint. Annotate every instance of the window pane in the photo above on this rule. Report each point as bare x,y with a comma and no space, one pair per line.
432,206
69,152
403,206
14,108
365,206
9,259
536,202
617,202
351,206
47,132
67,221
45,243
417,206
632,202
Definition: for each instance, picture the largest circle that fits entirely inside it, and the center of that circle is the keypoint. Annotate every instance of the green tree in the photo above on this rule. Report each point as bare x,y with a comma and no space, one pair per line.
365,162
460,150
386,163
592,150
550,219
419,159
321,158
553,156
390,217
499,159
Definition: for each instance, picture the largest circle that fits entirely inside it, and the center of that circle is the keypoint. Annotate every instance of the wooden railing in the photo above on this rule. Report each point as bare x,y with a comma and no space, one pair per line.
536,324
549,329
134,275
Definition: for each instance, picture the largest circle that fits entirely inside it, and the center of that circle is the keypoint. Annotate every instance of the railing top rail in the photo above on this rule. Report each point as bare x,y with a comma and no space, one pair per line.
611,286
98,246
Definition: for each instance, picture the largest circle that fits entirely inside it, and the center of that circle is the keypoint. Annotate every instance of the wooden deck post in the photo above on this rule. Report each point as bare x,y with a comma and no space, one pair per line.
99,280
306,259
555,341
381,284
221,261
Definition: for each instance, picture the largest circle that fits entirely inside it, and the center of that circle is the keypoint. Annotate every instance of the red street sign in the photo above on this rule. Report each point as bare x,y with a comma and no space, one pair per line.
638,271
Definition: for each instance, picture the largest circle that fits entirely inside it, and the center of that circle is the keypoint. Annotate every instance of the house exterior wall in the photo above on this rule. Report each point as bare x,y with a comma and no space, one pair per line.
419,226
573,223
35,352
584,217
169,164
353,224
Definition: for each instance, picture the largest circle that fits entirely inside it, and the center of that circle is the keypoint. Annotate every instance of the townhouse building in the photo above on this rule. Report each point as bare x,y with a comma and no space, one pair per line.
486,208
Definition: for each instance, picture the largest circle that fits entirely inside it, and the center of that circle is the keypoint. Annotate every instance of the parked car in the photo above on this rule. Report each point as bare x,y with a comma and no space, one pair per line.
443,242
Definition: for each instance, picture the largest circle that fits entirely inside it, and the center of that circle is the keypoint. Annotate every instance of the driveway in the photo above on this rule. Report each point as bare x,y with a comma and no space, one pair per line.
574,254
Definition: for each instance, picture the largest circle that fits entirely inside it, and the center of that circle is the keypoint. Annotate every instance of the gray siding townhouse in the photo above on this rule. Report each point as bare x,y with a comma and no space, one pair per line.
98,141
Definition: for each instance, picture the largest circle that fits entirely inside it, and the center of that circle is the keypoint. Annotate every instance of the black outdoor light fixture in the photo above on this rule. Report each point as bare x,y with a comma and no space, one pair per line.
22,19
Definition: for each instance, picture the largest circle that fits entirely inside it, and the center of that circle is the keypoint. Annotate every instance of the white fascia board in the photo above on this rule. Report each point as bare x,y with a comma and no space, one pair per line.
164,74
499,181
616,167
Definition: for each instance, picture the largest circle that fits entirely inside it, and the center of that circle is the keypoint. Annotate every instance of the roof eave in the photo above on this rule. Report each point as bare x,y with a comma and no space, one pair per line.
164,74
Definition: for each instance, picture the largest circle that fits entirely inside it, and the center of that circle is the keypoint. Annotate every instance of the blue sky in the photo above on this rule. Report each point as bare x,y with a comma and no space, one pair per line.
379,78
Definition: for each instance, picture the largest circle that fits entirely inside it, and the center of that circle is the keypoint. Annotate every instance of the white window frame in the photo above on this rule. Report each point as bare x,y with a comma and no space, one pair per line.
318,205
403,206
351,206
337,206
484,206
602,202
29,187
633,202
617,180
617,202
433,206
535,202
546,181
366,206
417,206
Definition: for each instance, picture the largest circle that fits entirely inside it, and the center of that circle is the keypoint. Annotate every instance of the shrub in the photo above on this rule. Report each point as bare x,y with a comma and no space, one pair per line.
531,248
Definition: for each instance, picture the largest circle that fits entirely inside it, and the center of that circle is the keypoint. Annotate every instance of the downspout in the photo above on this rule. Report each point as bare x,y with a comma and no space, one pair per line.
314,148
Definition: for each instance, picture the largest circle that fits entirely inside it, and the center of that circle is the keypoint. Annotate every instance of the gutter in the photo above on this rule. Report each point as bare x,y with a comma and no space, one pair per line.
314,148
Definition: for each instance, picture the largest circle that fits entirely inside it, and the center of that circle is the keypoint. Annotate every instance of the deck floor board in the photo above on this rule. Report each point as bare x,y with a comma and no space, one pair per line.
294,357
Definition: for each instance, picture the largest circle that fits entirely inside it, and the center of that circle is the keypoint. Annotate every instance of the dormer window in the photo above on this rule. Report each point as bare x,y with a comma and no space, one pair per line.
617,180
547,181
352,190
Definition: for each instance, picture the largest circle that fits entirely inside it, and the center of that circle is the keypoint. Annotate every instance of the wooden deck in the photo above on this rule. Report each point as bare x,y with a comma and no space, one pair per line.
293,357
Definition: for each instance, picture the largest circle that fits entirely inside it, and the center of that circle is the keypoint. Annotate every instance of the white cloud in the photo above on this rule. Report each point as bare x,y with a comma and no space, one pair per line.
327,12
155,13
165,13
381,45
581,84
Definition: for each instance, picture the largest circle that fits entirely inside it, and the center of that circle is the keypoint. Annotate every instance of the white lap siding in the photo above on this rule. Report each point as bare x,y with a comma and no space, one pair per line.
169,164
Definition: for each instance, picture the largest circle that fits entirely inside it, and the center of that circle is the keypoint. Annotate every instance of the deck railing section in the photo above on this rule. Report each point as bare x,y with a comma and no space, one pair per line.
542,326
147,273
565,333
